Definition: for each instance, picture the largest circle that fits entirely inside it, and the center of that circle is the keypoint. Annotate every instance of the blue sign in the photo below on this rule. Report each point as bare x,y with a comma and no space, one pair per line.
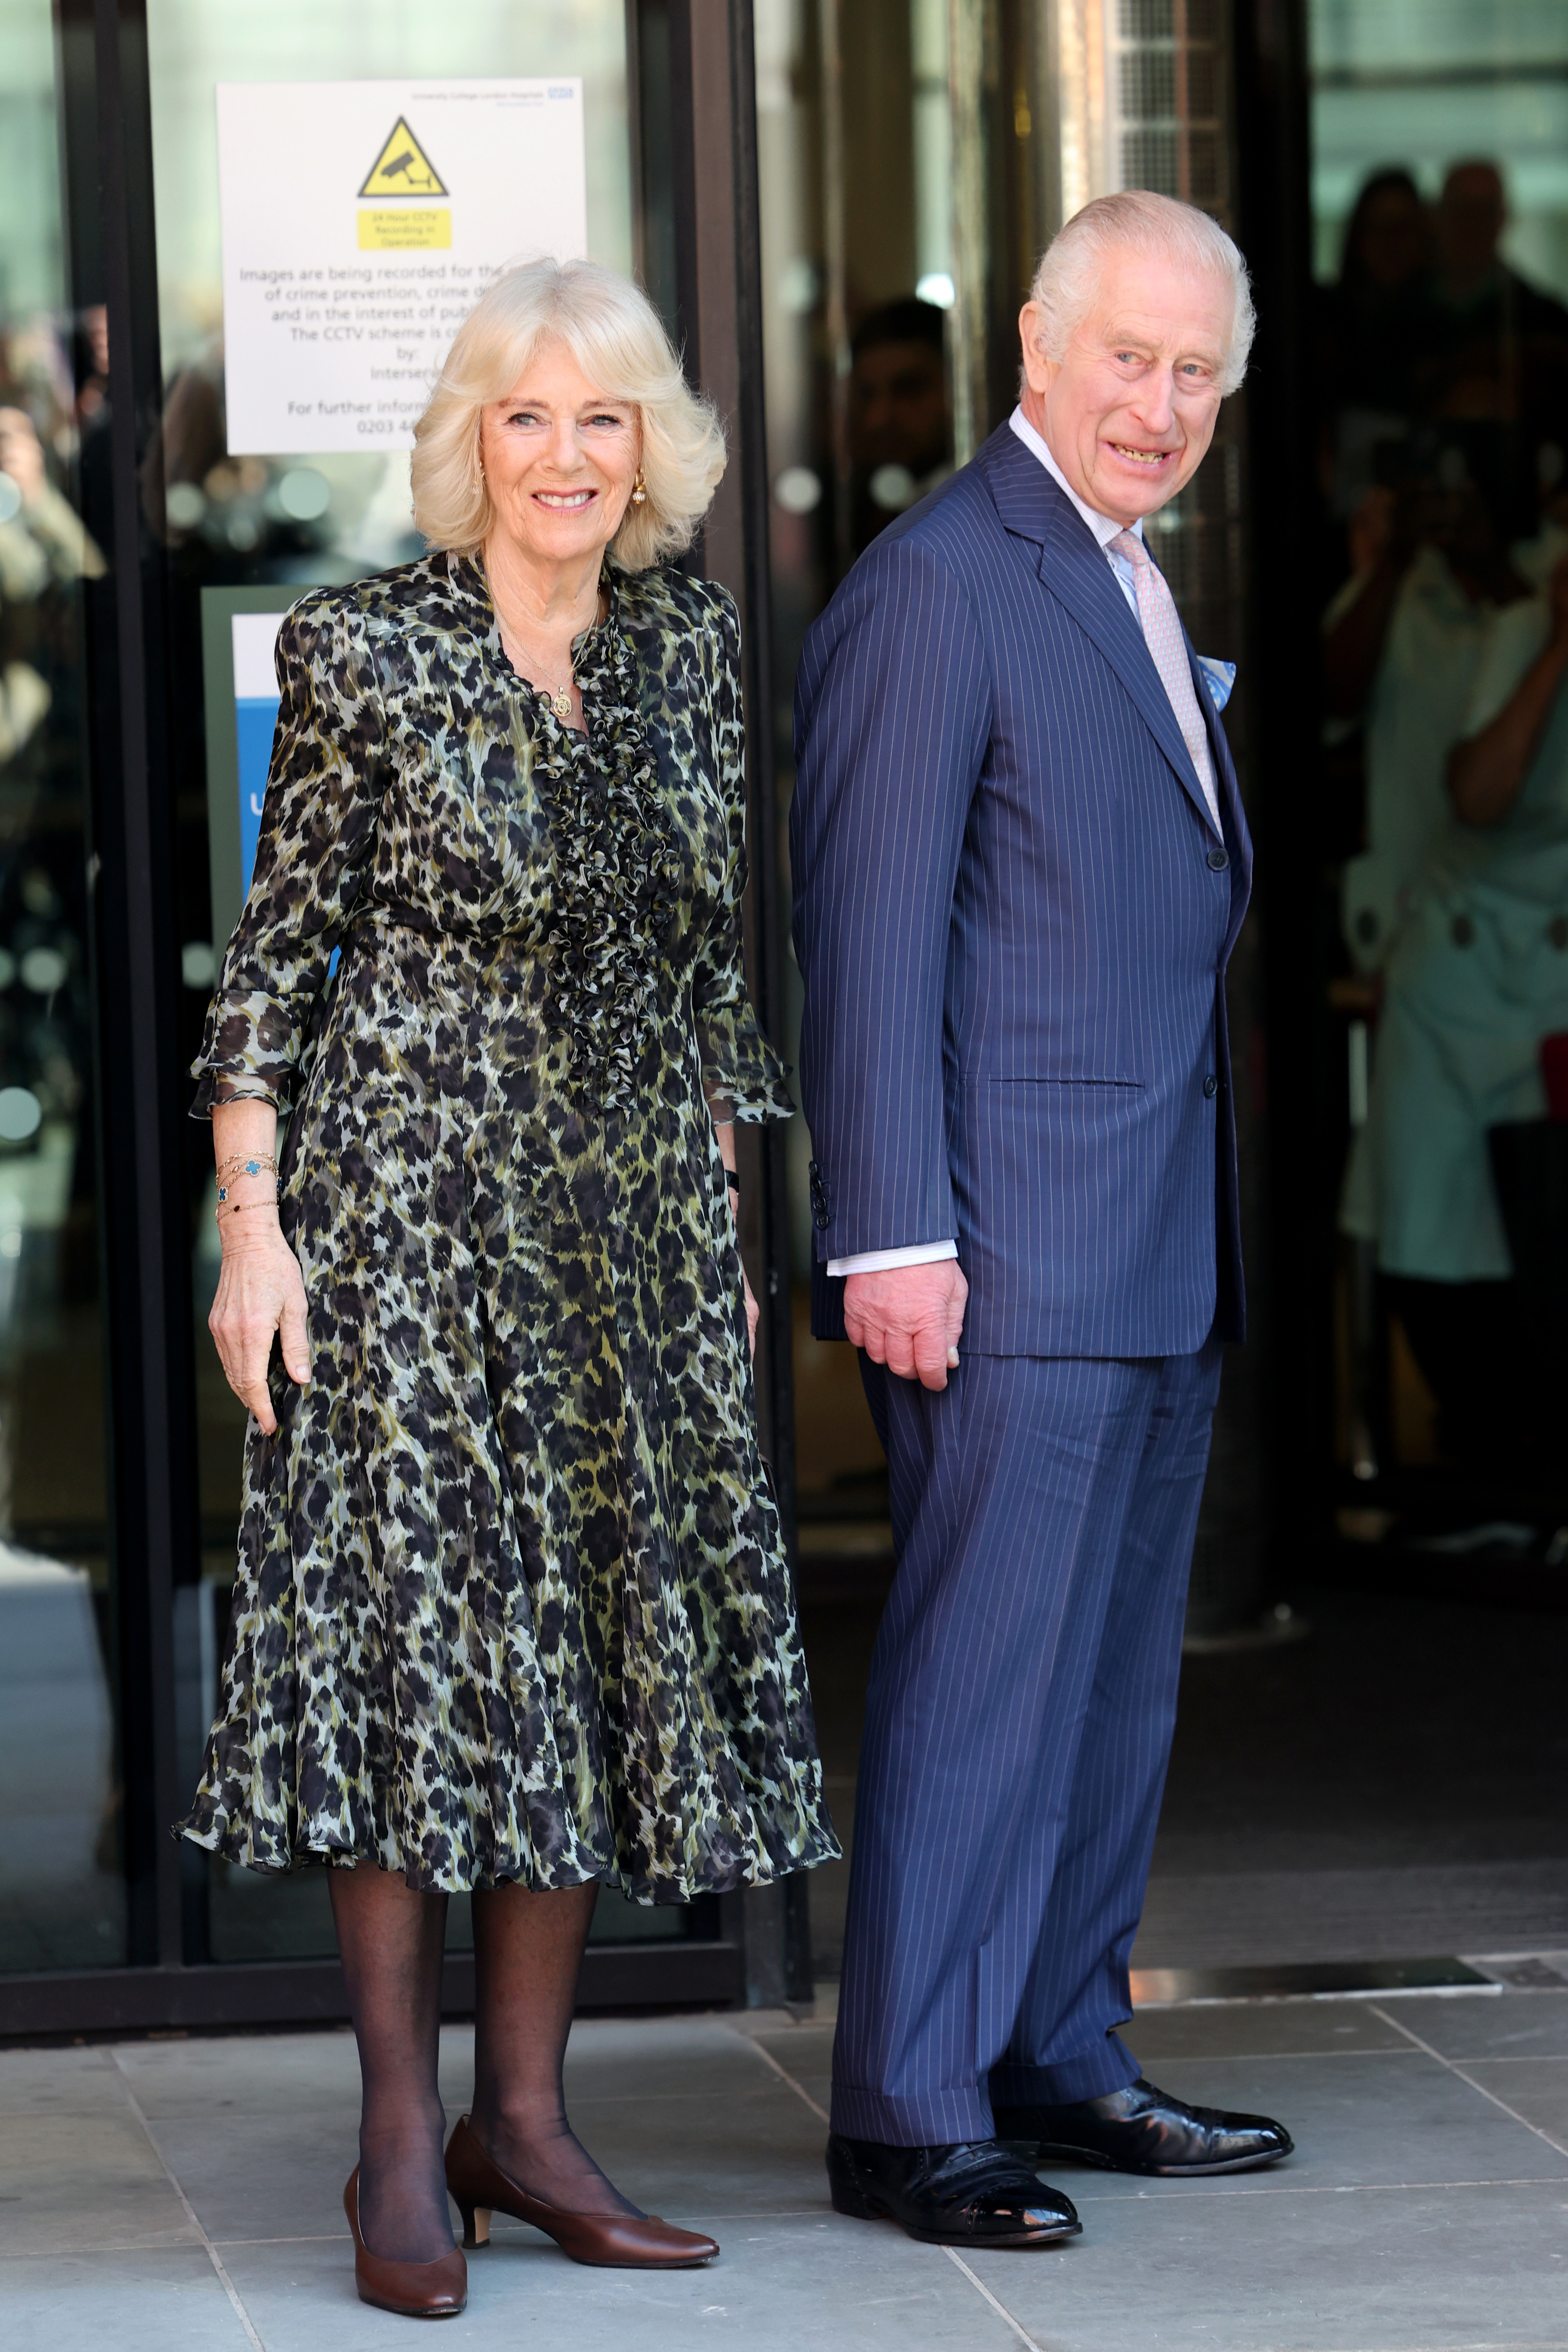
255,724
256,701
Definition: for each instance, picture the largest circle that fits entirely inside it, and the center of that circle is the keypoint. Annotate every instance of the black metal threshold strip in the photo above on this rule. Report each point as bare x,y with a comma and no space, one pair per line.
1307,1981
258,1995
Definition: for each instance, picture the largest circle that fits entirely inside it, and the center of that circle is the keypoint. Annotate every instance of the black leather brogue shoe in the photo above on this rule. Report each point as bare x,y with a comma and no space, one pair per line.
973,2194
1142,2129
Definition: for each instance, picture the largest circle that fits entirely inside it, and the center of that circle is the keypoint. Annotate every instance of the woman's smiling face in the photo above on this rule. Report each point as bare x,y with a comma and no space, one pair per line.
561,457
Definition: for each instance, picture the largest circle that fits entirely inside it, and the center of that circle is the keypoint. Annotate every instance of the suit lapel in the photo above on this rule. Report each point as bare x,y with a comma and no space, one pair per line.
1074,568
1237,838
1226,786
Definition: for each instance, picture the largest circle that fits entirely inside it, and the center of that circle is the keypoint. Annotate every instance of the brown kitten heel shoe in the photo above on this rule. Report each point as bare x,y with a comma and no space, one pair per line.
437,2290
616,2241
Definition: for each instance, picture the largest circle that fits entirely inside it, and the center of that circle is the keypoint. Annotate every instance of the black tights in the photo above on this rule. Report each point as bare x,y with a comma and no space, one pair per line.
527,1951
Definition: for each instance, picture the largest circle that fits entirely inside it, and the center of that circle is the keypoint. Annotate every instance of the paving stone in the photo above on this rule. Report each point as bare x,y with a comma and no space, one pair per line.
136,2300
1513,2025
84,2181
1319,2028
833,2285
1535,2088
1417,2216
1368,2271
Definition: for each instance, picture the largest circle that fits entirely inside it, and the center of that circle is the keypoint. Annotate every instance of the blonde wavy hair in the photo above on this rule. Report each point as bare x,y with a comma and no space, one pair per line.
618,339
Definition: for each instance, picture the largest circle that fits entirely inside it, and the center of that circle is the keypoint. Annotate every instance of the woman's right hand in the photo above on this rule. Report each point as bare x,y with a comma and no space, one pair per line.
260,1290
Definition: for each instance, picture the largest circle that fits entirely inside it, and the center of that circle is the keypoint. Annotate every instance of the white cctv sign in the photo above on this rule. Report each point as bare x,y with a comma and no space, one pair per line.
360,222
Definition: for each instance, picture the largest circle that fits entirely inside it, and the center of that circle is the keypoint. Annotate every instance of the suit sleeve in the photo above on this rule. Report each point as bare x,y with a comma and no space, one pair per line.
892,717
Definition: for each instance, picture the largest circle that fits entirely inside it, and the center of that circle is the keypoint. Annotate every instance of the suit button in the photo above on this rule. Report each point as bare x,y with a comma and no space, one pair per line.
1211,1086
1219,858
822,1221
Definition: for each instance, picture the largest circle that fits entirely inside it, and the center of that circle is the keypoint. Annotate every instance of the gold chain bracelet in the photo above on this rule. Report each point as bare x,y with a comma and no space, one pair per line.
247,1163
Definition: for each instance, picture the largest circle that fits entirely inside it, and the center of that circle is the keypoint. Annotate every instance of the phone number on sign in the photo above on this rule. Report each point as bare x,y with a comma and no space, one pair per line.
382,425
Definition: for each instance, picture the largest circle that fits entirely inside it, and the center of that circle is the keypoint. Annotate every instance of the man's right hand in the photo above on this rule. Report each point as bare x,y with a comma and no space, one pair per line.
909,1317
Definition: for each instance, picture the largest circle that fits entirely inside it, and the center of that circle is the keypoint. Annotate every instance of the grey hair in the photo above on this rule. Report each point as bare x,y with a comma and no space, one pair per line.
1136,220
618,341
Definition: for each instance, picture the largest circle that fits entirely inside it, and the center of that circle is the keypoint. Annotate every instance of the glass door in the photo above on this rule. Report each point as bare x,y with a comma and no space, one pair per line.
1439,219
62,1890
323,339
914,159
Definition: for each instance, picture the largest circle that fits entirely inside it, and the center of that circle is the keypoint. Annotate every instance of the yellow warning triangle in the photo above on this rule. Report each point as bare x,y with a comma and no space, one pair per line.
403,168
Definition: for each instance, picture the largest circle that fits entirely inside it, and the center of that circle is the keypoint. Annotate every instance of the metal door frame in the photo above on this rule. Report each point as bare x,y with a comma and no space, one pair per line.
695,201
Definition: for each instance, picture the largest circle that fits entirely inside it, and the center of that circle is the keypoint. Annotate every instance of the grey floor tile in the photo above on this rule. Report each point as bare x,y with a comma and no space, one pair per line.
146,2301
1522,2024
654,2059
283,2177
69,2181
59,2082
1535,2088
1380,2119
269,2176
1242,2029
831,2285
820,2017
761,2154
1365,2241
806,2056
1377,2270
273,2073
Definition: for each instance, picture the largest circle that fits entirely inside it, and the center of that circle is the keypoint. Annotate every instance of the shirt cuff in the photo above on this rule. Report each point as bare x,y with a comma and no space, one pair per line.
883,1261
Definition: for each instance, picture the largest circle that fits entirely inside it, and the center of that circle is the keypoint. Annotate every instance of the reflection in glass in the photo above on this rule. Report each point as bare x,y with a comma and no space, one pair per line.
1440,195
62,1896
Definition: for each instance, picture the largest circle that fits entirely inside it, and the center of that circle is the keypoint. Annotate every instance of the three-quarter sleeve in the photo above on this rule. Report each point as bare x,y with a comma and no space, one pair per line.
742,1078
318,830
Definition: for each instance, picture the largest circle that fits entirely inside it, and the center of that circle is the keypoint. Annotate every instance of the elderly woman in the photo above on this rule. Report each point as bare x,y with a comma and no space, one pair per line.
513,1614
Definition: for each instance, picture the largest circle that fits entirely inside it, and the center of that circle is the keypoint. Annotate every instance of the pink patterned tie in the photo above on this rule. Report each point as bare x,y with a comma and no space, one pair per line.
1162,635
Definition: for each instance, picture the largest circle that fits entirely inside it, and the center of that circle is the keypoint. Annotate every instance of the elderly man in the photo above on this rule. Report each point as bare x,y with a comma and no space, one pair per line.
1021,865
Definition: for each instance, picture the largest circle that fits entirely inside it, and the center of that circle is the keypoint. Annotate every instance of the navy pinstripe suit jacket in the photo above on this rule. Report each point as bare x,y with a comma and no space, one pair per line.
1013,916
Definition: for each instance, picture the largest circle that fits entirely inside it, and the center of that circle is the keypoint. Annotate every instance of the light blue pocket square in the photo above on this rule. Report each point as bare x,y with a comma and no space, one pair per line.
1219,677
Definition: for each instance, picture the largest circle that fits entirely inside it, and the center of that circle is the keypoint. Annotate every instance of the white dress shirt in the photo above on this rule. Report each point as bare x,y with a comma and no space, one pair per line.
1105,529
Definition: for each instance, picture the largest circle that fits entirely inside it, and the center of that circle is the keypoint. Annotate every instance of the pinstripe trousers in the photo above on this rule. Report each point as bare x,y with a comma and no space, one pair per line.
1022,1700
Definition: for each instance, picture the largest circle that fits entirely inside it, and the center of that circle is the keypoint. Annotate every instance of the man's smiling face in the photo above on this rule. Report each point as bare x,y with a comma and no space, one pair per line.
1129,411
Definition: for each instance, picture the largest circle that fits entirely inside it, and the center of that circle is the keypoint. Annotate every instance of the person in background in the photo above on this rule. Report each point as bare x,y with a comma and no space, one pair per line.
44,546
901,415
1401,643
1477,978
1370,325
1372,312
1494,347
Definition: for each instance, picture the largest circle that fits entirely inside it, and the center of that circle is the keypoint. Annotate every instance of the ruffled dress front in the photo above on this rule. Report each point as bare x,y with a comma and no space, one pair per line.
513,1603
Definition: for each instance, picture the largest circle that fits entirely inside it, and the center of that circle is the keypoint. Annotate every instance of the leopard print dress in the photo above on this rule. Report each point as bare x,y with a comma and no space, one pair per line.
513,1603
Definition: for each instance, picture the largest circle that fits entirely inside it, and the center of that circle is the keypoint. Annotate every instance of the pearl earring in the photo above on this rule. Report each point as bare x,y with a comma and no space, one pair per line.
639,490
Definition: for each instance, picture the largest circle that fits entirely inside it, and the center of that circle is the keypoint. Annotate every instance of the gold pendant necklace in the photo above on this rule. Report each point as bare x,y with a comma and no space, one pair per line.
560,700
